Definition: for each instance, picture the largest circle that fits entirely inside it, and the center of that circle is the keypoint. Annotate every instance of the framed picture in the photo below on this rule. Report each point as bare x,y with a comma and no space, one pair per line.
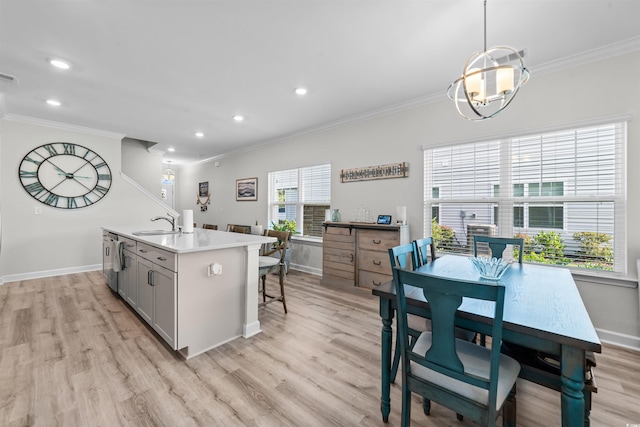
203,189
247,189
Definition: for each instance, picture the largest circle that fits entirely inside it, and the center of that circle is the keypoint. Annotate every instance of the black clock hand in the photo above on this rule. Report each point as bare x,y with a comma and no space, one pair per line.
73,175
56,166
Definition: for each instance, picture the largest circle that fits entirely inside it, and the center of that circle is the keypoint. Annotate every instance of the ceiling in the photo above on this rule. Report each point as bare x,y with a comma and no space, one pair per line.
162,70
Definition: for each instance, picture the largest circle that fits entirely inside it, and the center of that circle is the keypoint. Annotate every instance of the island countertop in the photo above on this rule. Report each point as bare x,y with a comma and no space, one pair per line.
198,241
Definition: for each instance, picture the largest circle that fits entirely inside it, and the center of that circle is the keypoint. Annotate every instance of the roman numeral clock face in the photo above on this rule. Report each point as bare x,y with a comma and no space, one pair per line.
64,175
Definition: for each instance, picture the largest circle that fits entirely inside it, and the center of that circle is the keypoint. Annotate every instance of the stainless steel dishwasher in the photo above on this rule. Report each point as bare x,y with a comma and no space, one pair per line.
108,259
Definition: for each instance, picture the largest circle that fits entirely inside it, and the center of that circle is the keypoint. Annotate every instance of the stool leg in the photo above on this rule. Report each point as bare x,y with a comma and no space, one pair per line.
284,303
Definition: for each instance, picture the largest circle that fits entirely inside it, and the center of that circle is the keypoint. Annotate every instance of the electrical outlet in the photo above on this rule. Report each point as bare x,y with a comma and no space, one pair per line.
214,269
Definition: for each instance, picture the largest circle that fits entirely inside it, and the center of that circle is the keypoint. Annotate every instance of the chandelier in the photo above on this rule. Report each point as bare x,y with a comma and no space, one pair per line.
489,82
168,175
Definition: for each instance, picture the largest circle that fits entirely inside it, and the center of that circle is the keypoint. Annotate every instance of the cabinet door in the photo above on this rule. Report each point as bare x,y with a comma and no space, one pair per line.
131,278
145,290
164,313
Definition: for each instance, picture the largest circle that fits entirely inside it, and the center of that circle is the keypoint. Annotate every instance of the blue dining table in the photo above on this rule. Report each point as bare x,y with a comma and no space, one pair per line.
543,310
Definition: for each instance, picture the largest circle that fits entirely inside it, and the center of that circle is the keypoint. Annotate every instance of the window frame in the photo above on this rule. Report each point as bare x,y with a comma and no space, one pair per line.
274,200
506,204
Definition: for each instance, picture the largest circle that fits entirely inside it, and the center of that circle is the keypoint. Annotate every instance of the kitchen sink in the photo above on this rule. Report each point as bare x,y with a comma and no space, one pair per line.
154,232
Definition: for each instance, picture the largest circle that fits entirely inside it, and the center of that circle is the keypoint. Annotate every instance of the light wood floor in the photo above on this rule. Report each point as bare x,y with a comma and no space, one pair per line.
73,354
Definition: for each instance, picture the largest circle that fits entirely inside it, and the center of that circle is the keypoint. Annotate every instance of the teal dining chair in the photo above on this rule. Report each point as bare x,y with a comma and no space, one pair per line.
474,381
399,257
497,245
424,251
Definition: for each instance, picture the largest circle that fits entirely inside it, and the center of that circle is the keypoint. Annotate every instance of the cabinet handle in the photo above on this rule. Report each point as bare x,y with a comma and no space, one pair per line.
106,251
143,251
351,257
376,283
161,258
377,262
130,246
376,242
150,277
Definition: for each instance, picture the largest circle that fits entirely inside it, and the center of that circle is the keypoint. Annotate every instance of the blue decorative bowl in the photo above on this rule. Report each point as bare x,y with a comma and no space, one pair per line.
490,268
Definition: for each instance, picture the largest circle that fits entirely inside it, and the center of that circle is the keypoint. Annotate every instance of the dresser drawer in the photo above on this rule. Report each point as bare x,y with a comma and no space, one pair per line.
158,256
375,261
377,240
371,280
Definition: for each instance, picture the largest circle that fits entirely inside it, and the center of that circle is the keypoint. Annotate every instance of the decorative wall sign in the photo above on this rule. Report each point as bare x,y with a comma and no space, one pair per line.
203,193
247,189
393,170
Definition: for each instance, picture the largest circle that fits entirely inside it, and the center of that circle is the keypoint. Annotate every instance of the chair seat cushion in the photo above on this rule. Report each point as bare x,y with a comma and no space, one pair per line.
267,261
476,360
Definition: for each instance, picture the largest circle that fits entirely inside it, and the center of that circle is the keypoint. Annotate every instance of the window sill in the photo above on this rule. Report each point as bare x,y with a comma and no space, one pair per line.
604,279
312,241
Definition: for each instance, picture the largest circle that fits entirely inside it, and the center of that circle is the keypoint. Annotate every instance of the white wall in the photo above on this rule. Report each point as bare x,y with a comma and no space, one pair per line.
59,240
142,165
571,96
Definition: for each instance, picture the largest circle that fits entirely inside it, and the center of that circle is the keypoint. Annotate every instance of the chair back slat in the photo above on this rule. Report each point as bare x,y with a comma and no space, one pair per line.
497,245
400,256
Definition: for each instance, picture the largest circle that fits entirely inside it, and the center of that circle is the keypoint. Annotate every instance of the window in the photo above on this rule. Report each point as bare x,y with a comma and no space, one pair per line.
302,196
565,195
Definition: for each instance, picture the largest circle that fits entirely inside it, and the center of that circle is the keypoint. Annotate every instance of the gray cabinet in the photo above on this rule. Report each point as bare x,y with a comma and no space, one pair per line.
157,289
144,307
128,276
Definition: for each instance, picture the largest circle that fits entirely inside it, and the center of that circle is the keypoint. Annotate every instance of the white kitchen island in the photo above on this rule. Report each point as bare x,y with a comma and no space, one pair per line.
196,290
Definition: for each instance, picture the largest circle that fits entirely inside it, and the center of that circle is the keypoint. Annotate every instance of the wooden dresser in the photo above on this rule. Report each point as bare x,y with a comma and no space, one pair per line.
356,254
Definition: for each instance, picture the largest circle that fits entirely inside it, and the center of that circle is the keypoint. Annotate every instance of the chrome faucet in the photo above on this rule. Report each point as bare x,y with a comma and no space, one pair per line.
171,220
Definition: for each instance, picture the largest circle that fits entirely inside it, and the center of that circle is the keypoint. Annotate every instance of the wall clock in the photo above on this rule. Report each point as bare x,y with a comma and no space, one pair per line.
65,175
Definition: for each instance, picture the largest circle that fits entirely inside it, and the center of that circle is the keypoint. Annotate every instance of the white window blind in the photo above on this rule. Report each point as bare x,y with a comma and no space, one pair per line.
563,192
300,195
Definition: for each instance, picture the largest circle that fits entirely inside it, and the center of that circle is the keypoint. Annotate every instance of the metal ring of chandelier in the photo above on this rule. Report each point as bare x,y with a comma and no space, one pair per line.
490,81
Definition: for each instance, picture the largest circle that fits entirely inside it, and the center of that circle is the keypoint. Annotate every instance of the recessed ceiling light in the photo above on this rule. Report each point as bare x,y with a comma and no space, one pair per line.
59,63
301,91
171,149
53,102
238,118
199,134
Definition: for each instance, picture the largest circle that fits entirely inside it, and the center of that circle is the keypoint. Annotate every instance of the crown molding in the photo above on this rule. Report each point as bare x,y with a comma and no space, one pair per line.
598,54
601,53
61,126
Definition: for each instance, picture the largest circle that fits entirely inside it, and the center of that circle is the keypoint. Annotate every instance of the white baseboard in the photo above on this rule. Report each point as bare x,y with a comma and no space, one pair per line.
306,269
621,340
49,273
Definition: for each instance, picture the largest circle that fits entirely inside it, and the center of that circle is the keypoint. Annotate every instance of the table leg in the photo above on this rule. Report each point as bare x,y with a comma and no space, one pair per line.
386,313
572,383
